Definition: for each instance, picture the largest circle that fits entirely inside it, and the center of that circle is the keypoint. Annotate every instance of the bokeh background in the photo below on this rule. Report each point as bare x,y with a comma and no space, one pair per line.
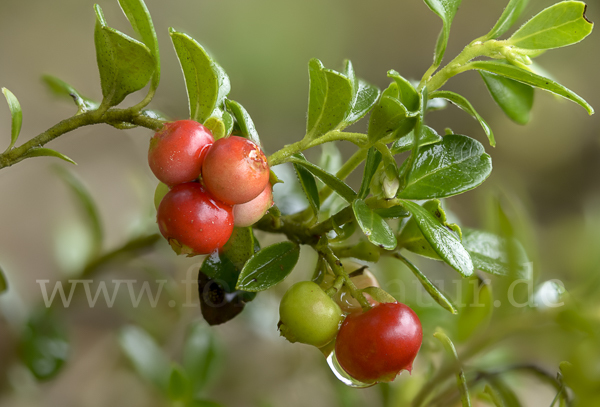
548,169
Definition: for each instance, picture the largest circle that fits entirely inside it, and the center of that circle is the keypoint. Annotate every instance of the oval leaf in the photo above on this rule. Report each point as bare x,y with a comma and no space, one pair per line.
126,65
428,136
179,384
47,152
514,98
371,164
244,124
16,115
389,116
446,10
139,17
269,266
330,180
365,99
373,226
453,166
407,93
309,185
61,88
201,357
431,289
445,243
330,99
509,16
206,82
529,78
465,105
557,26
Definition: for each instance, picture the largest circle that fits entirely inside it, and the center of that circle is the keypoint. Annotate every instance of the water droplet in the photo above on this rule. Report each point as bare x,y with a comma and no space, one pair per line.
342,375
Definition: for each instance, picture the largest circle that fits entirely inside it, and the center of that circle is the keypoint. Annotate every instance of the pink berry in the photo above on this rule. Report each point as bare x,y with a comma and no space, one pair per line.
249,213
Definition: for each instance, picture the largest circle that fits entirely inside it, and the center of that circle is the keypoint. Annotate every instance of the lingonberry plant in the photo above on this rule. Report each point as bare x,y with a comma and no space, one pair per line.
217,186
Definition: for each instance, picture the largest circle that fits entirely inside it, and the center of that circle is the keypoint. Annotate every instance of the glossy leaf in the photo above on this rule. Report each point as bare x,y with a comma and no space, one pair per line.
489,253
87,204
217,304
446,244
147,357
478,309
461,380
330,99
206,82
514,98
216,127
43,346
201,357
509,17
139,17
393,212
465,105
455,165
126,65
309,186
428,136
3,282
371,164
373,226
244,124
389,116
47,152
406,92
16,116
529,78
411,238
446,10
431,289
61,88
364,98
179,384
269,266
557,26
330,180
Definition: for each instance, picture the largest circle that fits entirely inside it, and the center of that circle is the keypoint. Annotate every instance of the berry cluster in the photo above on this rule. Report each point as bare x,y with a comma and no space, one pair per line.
212,185
371,345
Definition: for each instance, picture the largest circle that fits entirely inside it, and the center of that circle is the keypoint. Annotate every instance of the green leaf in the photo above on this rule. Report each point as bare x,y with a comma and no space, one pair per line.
406,92
505,393
139,17
511,14
411,238
244,124
371,164
489,253
201,357
529,78
147,357
373,226
397,211
16,114
330,100
269,266
465,105
365,99
206,82
557,26
514,98
444,242
461,380
44,346
389,117
330,180
126,65
179,384
428,136
47,152
216,127
476,313
3,282
446,10
455,165
309,185
61,88
431,289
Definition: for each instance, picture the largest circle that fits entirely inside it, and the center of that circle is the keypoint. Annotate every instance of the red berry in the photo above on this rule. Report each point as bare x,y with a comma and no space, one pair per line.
249,213
193,221
177,151
374,346
235,170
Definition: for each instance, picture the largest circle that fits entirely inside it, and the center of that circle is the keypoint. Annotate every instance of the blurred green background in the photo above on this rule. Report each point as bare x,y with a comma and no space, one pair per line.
549,169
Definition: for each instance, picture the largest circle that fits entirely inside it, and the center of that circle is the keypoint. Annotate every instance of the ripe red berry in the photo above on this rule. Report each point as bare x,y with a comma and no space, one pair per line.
374,346
235,170
177,151
249,213
193,221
